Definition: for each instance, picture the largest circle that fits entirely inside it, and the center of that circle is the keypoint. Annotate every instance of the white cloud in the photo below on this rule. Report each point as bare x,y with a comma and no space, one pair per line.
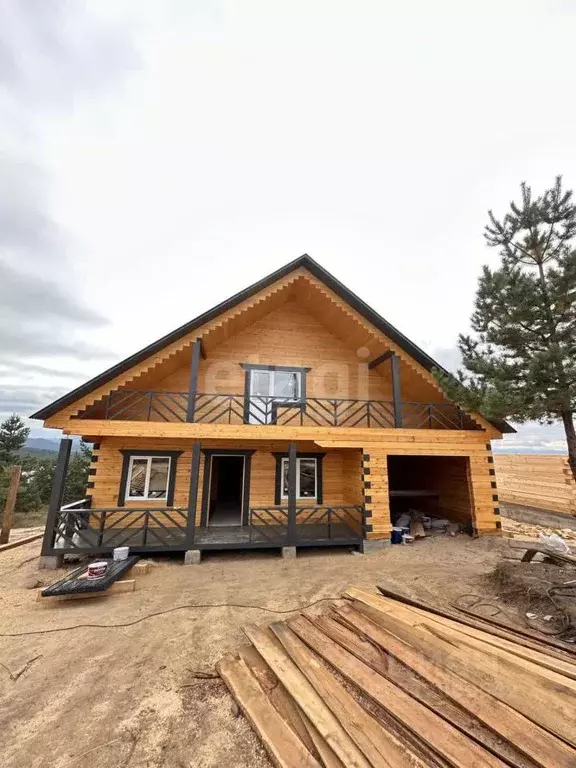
187,149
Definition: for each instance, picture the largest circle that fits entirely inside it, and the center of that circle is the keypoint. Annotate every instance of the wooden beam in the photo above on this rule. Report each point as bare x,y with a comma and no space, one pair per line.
193,388
21,542
380,359
396,390
10,504
57,495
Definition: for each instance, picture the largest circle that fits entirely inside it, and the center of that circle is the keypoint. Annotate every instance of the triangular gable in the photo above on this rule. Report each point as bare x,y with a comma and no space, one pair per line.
255,299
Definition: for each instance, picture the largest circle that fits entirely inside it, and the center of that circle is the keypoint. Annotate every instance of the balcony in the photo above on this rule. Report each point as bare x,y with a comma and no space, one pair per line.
162,406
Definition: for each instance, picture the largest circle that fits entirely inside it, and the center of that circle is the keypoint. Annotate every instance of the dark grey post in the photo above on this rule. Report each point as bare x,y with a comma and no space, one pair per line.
193,495
396,391
292,494
57,495
193,388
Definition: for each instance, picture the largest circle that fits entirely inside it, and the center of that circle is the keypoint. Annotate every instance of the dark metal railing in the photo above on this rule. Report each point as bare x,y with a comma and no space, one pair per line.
98,531
312,525
101,530
214,408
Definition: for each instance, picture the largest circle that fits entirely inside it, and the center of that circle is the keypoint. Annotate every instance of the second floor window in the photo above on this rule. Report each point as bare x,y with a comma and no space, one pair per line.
148,478
270,387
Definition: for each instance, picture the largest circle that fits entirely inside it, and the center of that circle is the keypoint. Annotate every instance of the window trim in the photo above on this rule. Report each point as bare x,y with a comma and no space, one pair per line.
249,367
128,454
278,498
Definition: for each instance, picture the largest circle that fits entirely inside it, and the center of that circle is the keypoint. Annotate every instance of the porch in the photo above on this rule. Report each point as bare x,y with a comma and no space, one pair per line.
272,495
79,529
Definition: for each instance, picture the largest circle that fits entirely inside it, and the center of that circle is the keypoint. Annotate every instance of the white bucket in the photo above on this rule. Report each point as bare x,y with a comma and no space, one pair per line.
121,553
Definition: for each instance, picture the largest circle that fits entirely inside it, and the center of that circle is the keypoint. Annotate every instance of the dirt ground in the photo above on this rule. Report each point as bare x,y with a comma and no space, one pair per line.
119,690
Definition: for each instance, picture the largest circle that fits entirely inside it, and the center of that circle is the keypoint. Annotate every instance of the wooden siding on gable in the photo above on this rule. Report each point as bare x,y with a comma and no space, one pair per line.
296,321
291,336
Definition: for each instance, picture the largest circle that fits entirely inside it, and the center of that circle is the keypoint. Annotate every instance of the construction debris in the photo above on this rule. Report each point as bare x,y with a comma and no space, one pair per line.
526,530
378,682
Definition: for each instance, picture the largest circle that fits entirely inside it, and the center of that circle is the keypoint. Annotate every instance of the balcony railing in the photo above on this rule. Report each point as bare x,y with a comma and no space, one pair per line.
80,529
146,405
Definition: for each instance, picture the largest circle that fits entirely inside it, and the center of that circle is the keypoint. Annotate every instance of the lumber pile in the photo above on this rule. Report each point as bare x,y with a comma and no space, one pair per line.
378,682
536,480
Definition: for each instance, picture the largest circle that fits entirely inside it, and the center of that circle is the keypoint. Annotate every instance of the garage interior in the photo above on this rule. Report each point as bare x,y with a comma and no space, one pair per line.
435,486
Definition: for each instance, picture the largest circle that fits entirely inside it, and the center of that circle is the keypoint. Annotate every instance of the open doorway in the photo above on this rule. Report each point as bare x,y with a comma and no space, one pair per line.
226,490
434,486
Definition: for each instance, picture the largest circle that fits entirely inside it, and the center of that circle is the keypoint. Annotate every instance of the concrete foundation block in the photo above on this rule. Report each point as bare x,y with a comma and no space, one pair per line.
193,557
288,551
50,562
369,546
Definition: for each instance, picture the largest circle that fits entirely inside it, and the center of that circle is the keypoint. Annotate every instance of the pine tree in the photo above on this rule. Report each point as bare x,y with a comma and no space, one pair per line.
521,362
77,477
13,436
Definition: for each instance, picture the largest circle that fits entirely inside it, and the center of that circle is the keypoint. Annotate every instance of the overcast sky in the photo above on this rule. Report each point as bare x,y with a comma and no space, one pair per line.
156,157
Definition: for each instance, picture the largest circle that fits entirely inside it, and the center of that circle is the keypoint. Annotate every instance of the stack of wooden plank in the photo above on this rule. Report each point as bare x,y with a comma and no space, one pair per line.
540,481
377,682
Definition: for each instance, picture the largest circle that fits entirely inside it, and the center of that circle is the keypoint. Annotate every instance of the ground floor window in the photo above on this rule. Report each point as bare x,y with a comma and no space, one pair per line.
148,476
308,477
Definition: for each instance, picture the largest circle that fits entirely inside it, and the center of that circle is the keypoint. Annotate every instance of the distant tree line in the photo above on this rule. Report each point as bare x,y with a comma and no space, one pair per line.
37,472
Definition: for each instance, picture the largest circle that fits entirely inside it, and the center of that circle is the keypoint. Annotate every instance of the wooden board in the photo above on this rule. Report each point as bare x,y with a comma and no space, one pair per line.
118,588
380,747
307,699
283,746
544,703
541,747
446,740
385,664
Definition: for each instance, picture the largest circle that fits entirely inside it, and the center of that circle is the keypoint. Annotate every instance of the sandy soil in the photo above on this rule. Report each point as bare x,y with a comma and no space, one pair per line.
118,696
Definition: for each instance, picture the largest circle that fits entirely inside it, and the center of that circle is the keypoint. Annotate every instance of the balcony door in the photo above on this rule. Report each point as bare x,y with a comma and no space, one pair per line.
269,387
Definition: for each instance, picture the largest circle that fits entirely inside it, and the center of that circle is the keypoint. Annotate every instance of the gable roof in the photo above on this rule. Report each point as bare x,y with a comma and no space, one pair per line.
303,261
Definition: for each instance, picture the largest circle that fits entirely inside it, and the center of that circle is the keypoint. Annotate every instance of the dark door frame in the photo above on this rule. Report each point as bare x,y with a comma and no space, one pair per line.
208,454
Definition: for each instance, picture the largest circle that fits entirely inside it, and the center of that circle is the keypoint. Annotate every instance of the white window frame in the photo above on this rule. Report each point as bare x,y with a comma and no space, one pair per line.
270,397
145,497
298,460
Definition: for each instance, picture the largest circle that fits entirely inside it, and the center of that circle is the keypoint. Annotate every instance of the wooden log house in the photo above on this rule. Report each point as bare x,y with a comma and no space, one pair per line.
290,415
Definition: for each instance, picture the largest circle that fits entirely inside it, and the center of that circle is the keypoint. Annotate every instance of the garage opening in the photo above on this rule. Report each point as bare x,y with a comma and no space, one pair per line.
431,486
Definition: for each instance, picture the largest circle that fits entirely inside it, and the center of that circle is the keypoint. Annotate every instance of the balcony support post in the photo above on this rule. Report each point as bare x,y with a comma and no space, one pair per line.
292,494
197,351
55,504
193,495
396,390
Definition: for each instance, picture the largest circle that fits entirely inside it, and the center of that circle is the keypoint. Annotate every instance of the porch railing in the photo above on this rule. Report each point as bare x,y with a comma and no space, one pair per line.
98,531
213,408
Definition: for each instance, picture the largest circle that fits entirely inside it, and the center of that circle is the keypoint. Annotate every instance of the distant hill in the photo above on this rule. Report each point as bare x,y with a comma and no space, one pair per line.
41,444
45,447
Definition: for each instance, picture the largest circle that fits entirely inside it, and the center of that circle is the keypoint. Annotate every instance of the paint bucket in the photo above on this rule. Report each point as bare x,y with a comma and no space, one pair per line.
120,553
407,539
97,570
397,534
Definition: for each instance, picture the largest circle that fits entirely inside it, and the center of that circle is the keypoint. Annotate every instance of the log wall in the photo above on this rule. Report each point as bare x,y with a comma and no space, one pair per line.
536,480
